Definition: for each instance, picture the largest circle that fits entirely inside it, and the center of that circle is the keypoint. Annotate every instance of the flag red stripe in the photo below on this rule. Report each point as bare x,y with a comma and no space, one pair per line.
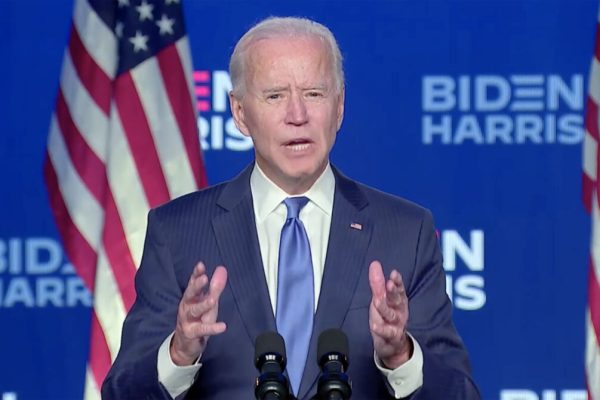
594,300
95,80
179,96
99,359
92,171
89,166
141,142
79,251
120,94
588,189
591,118
118,253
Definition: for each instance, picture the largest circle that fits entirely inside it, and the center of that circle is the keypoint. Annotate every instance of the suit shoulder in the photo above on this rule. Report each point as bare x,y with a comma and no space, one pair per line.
203,200
387,203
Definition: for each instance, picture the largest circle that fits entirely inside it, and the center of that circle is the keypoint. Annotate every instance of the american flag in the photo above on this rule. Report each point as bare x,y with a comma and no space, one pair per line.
591,198
123,139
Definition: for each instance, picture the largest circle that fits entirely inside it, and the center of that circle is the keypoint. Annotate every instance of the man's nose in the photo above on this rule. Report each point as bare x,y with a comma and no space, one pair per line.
296,110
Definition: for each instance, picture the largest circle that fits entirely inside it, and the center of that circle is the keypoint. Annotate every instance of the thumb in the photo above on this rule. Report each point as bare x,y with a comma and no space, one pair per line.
376,279
218,282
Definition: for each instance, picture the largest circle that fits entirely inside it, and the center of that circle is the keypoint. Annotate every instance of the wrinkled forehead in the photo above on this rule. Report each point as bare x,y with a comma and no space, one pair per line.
274,54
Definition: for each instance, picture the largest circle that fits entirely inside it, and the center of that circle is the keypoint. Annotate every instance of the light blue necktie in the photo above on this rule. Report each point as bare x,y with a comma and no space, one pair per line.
295,290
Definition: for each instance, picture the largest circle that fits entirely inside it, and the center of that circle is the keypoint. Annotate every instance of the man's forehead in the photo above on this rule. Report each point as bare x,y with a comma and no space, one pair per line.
283,62
286,45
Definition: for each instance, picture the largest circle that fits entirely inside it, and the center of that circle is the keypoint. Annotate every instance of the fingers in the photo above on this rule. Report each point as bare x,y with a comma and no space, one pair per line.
196,283
392,290
376,279
395,293
389,333
196,311
197,314
200,329
388,314
218,282
199,304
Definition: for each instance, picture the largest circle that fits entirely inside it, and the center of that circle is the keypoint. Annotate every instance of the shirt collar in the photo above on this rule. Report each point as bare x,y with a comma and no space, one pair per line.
267,195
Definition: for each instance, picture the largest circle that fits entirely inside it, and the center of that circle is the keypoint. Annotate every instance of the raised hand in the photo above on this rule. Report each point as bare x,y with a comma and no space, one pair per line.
197,315
388,315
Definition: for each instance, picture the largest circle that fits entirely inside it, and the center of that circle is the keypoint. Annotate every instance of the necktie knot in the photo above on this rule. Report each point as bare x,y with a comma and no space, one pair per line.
294,205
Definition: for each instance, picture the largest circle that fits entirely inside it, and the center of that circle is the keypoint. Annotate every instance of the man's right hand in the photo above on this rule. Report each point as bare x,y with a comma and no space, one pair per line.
197,315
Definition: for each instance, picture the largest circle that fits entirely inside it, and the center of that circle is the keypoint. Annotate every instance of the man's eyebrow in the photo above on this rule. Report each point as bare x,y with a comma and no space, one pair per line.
322,87
275,89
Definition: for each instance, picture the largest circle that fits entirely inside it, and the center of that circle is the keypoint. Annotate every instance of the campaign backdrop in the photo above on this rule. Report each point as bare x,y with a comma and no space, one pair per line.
473,109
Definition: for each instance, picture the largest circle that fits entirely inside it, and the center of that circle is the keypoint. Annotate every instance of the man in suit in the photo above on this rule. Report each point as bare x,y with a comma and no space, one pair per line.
217,268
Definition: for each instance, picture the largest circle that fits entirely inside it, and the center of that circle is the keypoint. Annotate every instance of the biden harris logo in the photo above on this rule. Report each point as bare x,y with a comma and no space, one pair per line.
217,129
502,110
35,274
464,264
546,394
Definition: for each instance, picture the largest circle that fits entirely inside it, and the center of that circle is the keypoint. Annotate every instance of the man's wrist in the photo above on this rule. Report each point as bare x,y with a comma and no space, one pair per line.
397,360
177,357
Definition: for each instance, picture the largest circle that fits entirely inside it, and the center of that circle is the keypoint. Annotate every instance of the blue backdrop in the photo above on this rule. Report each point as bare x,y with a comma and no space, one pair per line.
472,108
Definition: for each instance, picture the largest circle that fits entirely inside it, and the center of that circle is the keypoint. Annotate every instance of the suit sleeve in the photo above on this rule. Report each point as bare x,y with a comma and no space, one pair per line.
446,367
151,319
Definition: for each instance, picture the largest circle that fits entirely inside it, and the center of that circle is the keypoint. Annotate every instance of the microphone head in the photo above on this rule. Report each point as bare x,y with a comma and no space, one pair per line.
269,346
333,346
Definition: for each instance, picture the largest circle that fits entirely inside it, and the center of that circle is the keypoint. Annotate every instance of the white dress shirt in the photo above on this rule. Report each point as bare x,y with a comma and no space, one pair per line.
270,214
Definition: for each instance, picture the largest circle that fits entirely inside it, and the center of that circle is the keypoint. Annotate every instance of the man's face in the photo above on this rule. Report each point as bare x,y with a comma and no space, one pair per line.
290,108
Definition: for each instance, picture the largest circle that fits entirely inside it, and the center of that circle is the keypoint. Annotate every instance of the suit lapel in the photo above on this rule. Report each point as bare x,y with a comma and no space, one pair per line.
349,238
235,232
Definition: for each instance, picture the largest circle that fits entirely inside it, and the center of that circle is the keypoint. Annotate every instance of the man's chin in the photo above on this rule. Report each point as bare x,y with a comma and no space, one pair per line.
300,181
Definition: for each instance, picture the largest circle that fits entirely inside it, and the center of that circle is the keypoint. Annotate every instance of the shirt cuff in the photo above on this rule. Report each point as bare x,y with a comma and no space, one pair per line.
408,377
174,378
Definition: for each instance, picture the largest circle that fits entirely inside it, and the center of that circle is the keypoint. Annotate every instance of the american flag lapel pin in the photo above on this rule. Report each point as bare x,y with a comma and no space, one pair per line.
356,225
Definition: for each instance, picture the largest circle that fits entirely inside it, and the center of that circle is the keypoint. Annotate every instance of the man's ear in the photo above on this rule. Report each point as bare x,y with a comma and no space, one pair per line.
340,107
237,111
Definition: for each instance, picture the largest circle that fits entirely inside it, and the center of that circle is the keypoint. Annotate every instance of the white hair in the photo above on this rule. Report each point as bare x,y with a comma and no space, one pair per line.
277,27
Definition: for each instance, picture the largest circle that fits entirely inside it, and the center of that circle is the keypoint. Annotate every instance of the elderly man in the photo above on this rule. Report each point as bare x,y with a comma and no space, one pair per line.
290,245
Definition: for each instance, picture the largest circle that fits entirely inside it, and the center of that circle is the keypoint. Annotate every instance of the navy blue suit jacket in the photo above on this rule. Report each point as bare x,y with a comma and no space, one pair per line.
216,225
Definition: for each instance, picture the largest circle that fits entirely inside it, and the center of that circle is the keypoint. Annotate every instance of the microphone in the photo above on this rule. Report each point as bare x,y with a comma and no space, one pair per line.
270,360
332,356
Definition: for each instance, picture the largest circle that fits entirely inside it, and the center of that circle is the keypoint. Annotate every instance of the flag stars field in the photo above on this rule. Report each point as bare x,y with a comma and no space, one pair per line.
165,25
145,11
139,41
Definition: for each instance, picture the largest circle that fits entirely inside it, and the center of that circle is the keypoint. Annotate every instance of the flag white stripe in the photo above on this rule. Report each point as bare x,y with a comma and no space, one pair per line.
91,122
127,190
183,49
590,154
164,128
106,139
594,84
592,359
595,245
110,309
97,38
91,391
85,212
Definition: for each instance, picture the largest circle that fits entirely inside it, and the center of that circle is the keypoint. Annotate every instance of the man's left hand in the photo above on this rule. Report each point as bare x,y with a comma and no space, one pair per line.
388,315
